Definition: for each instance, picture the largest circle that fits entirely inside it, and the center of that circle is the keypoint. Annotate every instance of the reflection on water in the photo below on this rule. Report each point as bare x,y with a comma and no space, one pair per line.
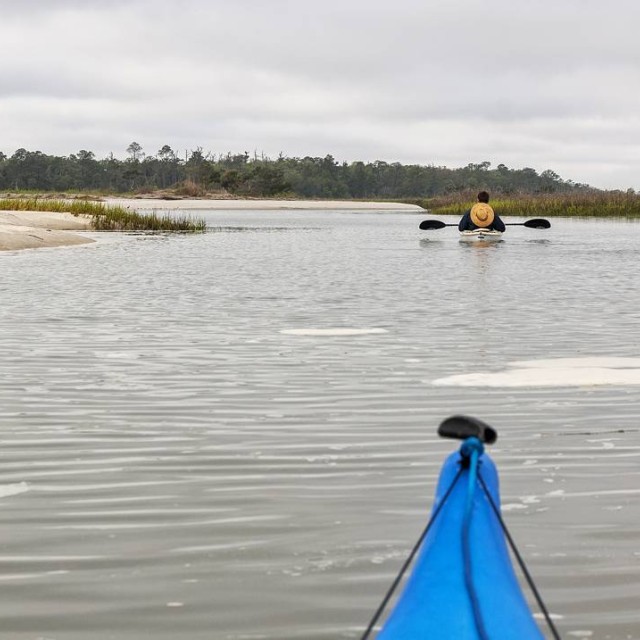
233,435
474,245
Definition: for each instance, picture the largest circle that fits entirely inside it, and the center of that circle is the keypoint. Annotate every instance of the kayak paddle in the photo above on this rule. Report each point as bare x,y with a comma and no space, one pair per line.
535,223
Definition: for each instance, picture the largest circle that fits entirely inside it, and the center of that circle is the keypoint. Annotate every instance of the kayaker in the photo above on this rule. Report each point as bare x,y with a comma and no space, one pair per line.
481,215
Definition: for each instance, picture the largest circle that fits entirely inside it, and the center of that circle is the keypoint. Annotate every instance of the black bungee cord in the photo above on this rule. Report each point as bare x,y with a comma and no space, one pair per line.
474,432
512,545
523,566
409,560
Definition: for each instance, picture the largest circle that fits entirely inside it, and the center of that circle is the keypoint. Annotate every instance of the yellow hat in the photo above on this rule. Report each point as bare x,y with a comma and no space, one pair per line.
481,214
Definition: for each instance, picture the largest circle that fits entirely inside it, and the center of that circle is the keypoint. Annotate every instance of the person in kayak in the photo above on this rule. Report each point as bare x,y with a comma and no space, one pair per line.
481,216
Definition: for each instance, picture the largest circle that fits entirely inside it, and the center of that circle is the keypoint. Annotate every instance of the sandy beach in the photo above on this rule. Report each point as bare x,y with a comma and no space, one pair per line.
237,205
31,229
34,229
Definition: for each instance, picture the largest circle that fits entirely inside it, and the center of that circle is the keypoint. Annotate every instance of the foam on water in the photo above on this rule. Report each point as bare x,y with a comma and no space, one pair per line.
13,489
560,372
337,331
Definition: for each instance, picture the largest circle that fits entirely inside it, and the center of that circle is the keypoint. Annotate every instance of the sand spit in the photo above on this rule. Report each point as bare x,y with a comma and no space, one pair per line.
238,205
34,229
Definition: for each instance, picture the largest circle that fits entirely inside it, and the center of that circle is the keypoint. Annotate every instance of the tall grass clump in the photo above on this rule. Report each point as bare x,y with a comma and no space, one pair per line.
107,217
76,207
602,204
189,189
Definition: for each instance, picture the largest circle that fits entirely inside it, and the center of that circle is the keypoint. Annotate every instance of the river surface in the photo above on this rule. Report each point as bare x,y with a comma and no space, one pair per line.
233,435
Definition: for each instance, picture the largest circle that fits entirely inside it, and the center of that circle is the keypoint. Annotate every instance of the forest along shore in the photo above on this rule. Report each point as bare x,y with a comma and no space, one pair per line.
34,229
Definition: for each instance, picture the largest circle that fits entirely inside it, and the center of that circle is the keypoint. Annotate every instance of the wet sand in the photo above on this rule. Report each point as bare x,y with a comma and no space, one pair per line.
35,229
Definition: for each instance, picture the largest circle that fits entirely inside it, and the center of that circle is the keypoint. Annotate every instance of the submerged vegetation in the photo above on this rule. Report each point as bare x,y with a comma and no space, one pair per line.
105,217
588,203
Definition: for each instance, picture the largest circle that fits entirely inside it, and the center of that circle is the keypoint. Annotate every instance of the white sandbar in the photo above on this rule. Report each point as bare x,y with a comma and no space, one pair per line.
34,229
222,204
560,372
337,331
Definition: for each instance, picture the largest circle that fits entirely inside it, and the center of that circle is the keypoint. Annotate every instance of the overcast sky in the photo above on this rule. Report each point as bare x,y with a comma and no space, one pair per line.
548,84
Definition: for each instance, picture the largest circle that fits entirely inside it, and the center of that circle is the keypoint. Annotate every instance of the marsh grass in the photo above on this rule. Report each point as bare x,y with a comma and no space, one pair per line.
601,204
106,217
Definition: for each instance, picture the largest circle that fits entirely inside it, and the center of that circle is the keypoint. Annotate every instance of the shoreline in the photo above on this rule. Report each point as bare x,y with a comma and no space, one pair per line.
271,205
34,229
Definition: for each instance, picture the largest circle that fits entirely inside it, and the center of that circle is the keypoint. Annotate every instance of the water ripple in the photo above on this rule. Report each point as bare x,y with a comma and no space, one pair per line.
193,423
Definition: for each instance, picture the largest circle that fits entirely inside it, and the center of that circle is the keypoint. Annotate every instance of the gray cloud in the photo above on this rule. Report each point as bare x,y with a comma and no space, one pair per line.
442,82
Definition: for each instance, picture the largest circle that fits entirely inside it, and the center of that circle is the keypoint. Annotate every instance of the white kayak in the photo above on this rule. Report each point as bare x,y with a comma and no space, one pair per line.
480,234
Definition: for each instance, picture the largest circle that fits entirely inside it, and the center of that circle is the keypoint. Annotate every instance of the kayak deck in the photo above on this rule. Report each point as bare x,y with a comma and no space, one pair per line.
463,585
480,234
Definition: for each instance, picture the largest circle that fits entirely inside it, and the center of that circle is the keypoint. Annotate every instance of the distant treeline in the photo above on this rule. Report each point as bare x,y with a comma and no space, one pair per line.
257,176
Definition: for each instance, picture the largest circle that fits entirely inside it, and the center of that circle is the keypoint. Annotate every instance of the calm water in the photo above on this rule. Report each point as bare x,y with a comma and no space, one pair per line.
173,465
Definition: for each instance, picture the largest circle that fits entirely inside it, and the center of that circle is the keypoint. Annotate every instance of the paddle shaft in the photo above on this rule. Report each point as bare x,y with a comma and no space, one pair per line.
535,223
515,224
506,224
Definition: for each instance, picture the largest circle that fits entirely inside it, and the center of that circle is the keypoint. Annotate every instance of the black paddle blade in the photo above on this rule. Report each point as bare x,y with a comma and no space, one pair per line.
462,427
537,223
432,224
